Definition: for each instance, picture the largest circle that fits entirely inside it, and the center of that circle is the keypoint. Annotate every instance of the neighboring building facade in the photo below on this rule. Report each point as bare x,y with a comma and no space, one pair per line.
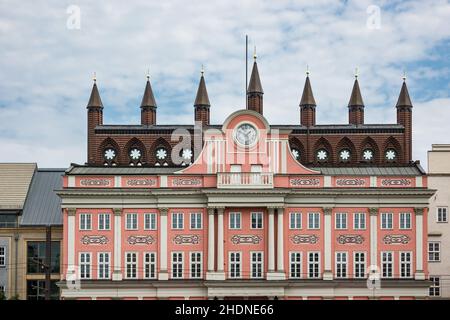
438,220
246,209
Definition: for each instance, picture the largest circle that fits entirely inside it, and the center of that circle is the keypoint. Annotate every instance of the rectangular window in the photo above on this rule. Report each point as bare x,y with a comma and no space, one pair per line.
2,291
405,265
177,265
442,214
435,288
235,265
295,220
386,220
131,265
341,221
131,221
8,220
196,265
359,221
85,265
2,256
295,265
104,221
150,265
434,251
196,220
103,265
150,221
36,256
341,264
313,220
405,220
85,221
257,220
256,265
36,290
387,264
235,220
359,264
177,220
313,265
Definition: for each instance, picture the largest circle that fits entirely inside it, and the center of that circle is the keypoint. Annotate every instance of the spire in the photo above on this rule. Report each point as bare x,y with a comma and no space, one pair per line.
254,85
148,100
202,94
403,99
307,96
94,99
356,98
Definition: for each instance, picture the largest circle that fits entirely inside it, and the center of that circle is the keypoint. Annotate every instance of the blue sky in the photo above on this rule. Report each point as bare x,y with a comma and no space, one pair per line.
46,67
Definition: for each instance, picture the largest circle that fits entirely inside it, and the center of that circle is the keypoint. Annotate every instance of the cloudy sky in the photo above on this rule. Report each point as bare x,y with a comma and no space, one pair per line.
48,56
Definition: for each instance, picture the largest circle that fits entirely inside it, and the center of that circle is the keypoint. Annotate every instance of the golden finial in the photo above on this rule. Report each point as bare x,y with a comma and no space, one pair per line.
356,73
202,71
307,70
94,78
254,54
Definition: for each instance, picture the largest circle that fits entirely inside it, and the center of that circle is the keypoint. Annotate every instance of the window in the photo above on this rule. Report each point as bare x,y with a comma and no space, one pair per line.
386,220
405,264
359,264
104,221
150,221
149,265
435,288
103,265
131,221
359,221
387,264
295,220
36,290
2,256
341,264
341,221
442,214
235,264
36,256
256,265
177,220
85,221
235,220
434,251
313,220
2,292
313,264
131,265
405,220
8,220
196,265
85,265
177,265
257,220
196,220
295,265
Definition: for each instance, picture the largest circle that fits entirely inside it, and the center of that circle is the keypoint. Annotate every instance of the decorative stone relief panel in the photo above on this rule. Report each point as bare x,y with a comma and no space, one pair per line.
94,240
396,239
350,239
186,239
304,238
246,239
140,240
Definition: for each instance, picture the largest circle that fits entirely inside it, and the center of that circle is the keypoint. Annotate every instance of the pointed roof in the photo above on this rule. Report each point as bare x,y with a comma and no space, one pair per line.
94,99
254,85
403,99
356,98
202,94
307,96
148,100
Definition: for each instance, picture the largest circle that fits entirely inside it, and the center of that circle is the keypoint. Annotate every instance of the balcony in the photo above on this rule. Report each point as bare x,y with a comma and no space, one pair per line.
245,180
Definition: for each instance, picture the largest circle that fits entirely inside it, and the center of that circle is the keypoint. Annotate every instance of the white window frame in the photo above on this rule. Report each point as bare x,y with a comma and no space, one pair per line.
407,263
259,218
131,221
403,222
387,221
313,265
295,220
103,267
359,221
132,265
434,252
2,256
257,264
238,264
85,266
177,221
178,263
313,226
106,223
341,220
83,223
387,263
434,286
150,265
342,263
196,265
444,214
233,224
196,221
359,265
297,265
150,222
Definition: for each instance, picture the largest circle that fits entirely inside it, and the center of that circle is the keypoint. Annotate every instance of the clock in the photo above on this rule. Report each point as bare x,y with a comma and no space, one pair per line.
246,134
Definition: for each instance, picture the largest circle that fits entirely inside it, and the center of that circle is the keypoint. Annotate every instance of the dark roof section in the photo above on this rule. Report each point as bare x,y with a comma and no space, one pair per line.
87,170
254,85
307,96
202,94
148,100
403,99
94,100
43,206
356,98
414,170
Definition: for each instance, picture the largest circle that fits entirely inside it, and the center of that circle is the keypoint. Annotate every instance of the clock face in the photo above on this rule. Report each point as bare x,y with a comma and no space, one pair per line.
246,134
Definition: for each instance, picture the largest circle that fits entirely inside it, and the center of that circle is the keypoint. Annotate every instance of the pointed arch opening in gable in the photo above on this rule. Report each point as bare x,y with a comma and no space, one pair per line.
369,151
160,153
298,150
134,153
323,151
109,152
392,151
346,151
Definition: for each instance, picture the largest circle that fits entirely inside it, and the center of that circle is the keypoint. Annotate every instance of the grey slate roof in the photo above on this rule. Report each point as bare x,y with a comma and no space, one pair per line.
43,206
371,171
121,170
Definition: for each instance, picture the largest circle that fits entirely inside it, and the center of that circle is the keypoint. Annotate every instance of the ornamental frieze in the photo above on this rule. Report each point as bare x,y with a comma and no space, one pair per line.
140,182
94,240
304,238
396,182
186,239
351,182
304,182
140,240
396,239
96,182
350,239
186,182
245,239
